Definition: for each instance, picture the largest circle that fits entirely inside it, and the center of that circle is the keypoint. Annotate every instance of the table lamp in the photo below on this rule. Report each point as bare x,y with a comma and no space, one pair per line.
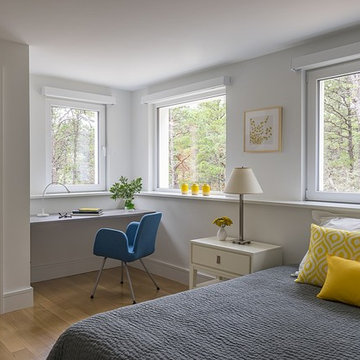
242,181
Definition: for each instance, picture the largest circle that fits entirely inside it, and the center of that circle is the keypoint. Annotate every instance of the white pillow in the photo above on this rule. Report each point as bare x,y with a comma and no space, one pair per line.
334,221
322,217
341,223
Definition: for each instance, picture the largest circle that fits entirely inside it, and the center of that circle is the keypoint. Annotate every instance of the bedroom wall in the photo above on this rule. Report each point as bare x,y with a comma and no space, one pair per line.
257,83
15,289
117,139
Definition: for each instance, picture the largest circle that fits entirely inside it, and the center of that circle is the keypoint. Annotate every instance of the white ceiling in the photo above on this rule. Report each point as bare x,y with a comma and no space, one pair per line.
129,44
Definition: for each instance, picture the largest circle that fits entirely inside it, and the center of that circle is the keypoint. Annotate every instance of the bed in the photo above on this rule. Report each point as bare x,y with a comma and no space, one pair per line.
264,315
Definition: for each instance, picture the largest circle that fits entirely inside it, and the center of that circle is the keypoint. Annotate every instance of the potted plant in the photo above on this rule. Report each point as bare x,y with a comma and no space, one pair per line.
123,189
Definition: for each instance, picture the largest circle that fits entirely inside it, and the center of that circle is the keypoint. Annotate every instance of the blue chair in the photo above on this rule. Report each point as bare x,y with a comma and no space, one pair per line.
136,243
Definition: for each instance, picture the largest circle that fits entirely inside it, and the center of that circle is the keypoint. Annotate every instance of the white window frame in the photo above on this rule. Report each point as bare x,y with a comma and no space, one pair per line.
101,145
314,132
180,99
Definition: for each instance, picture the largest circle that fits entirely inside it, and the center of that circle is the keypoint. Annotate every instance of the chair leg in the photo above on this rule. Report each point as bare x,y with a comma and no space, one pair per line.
98,278
122,273
130,283
150,276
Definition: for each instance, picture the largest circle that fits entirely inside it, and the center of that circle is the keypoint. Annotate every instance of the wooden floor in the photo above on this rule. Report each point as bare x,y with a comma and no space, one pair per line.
30,333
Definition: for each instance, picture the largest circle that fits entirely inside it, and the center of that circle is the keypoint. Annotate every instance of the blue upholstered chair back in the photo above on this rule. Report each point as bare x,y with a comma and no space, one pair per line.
137,242
144,241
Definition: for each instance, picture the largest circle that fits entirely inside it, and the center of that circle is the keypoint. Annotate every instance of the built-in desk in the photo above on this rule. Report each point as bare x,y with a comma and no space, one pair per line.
63,247
107,214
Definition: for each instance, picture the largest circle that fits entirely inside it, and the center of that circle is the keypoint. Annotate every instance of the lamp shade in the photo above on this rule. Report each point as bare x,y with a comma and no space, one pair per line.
242,181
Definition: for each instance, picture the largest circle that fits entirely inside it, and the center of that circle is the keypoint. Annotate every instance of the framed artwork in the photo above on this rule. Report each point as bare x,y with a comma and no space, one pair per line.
262,130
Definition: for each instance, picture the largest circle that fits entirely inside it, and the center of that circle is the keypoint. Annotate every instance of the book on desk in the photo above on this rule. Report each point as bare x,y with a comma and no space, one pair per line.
87,212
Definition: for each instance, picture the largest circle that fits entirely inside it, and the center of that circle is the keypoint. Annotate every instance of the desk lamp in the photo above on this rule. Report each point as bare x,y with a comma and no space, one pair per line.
43,213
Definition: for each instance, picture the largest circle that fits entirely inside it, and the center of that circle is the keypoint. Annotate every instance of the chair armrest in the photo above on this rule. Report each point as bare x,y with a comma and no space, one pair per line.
111,243
131,232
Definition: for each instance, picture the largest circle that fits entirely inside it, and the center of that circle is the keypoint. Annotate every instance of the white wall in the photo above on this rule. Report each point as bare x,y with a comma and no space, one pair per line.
257,83
118,140
185,219
15,287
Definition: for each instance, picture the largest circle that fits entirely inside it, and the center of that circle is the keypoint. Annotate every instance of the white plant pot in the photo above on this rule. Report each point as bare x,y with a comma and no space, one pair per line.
119,204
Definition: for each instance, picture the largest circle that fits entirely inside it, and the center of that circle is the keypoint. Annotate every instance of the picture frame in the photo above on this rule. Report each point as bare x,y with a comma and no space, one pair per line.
262,130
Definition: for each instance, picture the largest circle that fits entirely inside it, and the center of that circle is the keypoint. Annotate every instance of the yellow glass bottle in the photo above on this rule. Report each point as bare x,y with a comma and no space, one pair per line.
184,188
194,189
206,190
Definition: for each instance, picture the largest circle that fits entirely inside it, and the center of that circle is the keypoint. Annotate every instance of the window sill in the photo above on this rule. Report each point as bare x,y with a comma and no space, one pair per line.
178,195
314,205
71,195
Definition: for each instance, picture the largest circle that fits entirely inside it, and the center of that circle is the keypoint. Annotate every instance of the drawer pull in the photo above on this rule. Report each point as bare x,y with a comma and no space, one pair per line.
218,259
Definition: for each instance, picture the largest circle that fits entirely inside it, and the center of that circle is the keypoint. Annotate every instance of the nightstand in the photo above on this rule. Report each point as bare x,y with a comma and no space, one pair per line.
224,259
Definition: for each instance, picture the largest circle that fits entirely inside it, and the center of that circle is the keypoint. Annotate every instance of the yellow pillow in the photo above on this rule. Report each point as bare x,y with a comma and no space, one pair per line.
323,241
342,281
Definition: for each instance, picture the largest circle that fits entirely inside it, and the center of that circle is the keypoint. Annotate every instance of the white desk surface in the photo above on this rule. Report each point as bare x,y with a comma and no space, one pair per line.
106,214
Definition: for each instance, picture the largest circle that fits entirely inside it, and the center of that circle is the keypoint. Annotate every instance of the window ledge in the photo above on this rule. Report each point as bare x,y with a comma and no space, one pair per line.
178,195
71,195
314,205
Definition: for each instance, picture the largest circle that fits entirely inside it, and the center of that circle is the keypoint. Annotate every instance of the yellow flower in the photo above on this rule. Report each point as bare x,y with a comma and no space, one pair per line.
222,221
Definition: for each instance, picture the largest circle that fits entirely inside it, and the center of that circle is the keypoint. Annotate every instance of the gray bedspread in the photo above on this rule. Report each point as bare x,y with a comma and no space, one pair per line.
261,316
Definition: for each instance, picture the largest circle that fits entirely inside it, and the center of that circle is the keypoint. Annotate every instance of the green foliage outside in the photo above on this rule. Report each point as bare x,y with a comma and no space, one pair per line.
341,171
126,190
73,141
197,144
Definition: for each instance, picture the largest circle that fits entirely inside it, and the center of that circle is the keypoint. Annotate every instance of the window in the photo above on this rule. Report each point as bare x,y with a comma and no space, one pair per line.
334,133
192,143
76,146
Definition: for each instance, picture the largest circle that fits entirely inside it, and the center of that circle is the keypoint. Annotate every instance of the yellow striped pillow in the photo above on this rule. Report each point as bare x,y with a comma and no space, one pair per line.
323,241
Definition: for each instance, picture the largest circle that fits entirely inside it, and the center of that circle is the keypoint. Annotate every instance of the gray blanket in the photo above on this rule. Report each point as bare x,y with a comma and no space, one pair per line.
260,316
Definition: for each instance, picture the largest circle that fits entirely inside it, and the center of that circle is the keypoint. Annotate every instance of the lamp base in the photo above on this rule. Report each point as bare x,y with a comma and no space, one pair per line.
241,242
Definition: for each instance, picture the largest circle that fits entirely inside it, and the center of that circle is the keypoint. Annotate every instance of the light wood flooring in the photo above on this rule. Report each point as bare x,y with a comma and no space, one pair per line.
30,333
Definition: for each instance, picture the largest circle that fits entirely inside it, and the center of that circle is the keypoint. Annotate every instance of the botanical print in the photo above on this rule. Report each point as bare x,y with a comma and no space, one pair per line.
262,130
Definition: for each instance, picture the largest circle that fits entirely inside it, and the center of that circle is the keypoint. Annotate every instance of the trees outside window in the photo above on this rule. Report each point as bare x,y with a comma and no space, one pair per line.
340,119
333,137
76,133
192,143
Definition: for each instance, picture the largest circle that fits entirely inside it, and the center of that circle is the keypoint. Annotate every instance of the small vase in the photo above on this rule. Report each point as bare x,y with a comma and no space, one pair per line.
119,204
222,234
184,188
206,190
194,189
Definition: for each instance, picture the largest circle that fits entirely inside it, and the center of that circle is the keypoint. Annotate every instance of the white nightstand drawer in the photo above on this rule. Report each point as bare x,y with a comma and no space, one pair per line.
221,260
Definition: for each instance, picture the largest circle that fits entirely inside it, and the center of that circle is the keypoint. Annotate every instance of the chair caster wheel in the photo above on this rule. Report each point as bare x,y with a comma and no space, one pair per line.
91,296
134,302
121,282
157,288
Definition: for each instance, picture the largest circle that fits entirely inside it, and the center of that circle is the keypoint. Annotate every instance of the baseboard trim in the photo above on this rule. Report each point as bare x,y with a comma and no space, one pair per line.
78,266
67,268
169,271
18,299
